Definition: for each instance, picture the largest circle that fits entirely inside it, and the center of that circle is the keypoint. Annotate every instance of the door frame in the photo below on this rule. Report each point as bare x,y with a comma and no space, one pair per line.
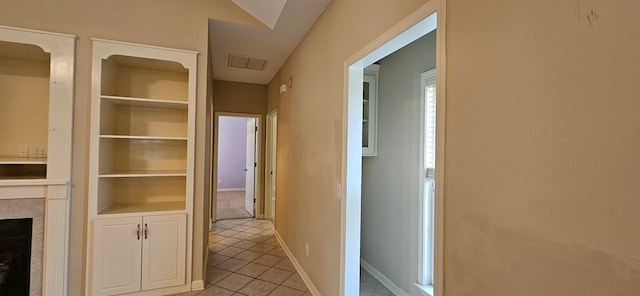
271,151
258,208
419,23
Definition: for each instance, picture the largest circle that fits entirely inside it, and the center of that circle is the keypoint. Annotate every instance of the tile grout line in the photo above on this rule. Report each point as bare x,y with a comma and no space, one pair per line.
255,234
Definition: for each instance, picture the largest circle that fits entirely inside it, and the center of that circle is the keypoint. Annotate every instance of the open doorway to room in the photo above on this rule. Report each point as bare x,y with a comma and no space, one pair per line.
270,172
236,166
402,174
389,200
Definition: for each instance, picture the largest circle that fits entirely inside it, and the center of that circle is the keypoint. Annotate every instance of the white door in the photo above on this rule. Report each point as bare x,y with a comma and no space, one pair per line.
250,169
274,145
163,251
117,255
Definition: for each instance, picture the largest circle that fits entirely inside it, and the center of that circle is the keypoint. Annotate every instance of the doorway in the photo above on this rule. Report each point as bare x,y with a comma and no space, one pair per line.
271,161
236,166
417,25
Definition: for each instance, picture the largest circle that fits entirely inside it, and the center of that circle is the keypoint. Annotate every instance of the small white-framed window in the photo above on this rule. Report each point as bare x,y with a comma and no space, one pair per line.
428,83
427,209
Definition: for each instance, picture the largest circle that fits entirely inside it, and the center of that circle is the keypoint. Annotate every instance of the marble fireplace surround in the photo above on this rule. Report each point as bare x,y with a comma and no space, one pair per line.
26,199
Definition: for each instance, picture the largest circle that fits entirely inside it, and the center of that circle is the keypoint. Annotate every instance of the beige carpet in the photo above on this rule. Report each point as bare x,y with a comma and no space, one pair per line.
231,206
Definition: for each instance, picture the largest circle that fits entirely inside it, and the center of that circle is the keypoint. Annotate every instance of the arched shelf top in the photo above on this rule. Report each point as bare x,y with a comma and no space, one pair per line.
106,49
148,63
23,51
50,42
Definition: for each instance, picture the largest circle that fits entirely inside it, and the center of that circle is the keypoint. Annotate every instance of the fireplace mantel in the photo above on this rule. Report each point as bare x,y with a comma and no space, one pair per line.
56,227
20,189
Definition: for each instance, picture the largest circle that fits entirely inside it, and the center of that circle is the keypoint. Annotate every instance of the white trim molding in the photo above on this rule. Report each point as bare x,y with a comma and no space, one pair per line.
270,161
424,290
197,285
441,102
230,189
307,281
382,279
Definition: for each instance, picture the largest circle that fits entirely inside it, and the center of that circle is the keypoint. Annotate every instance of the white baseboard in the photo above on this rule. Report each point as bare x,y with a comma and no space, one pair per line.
230,189
382,279
197,285
307,281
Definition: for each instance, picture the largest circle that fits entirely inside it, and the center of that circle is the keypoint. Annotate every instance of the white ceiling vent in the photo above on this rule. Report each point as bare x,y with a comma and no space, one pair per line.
245,62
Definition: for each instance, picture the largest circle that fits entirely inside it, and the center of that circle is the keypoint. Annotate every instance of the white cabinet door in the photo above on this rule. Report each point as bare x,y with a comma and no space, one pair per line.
164,251
117,256
370,111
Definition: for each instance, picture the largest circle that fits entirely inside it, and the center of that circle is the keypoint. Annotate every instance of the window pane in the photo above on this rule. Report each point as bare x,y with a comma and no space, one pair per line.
430,129
429,92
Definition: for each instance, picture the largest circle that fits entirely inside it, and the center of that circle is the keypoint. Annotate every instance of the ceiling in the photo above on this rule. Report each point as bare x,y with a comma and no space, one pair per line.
267,12
286,22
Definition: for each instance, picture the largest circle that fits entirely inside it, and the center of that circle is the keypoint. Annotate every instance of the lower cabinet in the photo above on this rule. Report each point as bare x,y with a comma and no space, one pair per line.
133,254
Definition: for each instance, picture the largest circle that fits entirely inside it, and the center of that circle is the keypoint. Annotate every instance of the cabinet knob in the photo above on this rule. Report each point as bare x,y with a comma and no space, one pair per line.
146,231
138,231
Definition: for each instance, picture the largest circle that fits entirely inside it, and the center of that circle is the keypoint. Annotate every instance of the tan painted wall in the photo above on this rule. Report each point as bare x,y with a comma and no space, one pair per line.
542,192
237,97
208,157
27,84
169,23
310,130
542,128
273,93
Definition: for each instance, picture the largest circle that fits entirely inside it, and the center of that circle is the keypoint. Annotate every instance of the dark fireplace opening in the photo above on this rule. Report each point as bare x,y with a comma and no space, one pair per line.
15,256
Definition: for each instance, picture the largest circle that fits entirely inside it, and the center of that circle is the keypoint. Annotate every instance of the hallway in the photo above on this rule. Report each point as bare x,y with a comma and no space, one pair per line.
246,259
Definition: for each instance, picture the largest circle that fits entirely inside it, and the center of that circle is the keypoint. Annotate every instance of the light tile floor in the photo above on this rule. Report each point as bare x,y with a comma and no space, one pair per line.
246,259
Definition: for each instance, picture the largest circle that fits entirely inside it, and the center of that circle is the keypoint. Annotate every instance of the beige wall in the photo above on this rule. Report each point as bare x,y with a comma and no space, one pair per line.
27,84
238,97
169,23
310,130
208,158
542,163
542,128
273,93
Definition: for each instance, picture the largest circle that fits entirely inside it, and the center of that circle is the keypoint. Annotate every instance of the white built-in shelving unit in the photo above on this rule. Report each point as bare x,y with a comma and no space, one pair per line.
141,173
